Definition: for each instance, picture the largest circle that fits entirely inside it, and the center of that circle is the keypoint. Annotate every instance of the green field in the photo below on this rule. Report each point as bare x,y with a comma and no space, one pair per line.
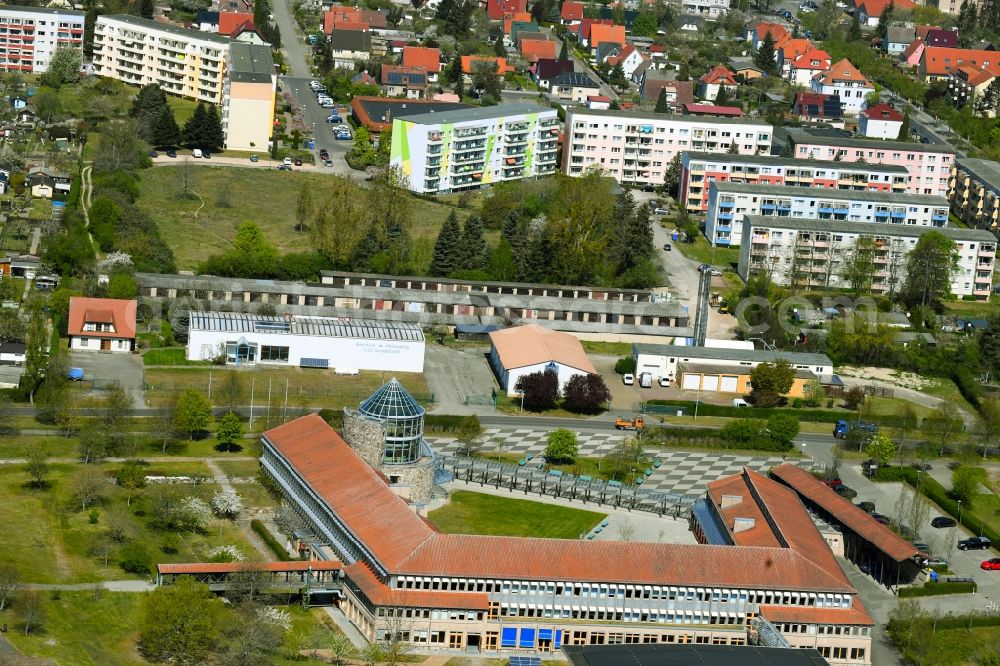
479,513
305,388
702,252
169,356
197,228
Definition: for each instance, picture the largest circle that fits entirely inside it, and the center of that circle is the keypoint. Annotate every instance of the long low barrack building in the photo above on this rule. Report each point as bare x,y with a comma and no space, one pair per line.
310,342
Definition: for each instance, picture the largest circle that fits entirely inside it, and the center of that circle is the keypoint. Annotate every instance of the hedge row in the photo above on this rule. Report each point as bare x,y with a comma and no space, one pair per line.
963,621
271,542
706,438
447,423
936,493
932,589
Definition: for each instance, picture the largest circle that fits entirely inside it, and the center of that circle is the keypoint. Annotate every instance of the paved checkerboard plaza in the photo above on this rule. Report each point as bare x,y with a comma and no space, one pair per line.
682,472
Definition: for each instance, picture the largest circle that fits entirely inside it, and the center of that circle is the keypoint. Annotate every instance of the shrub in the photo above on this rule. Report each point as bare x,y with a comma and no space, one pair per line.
931,589
268,538
625,365
562,446
134,558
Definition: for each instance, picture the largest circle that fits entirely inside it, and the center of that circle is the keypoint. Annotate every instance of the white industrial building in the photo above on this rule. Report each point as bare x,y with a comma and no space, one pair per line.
310,342
813,253
525,350
728,202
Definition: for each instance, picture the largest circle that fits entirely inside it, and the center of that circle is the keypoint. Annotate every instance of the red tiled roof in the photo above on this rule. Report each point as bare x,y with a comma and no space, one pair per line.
598,98
778,31
381,594
729,488
497,9
422,56
121,313
234,567
340,15
844,511
375,19
976,76
468,60
713,110
719,74
599,34
912,48
882,112
812,59
534,50
842,71
352,489
793,48
876,7
522,346
571,11
856,614
229,21
587,24
940,60
246,26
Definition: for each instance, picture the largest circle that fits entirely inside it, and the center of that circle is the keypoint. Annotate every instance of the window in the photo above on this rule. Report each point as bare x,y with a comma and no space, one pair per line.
274,353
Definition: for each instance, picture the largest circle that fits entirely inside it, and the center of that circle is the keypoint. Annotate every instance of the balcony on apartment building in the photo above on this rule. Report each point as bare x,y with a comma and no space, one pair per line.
468,132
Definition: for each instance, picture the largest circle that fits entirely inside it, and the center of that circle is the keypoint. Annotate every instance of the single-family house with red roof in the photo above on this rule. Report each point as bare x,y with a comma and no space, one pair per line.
755,35
804,67
428,58
630,58
586,25
605,34
229,21
881,121
408,82
716,79
534,50
337,16
846,81
497,9
101,324
870,11
571,14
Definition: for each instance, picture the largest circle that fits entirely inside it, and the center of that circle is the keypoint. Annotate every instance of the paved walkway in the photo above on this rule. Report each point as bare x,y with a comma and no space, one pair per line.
352,633
109,585
292,45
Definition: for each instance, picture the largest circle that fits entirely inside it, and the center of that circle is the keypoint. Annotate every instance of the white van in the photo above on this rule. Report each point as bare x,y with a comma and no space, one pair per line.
646,380
740,402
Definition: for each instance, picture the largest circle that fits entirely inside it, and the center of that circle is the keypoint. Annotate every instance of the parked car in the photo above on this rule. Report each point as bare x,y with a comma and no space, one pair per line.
196,153
933,562
314,84
324,154
327,163
882,519
833,482
334,118
974,543
943,521
660,211
206,155
153,154
924,467
715,271
845,491
628,379
666,247
254,158
284,167
867,507
298,161
287,161
342,135
991,564
704,267
171,153
665,382
922,547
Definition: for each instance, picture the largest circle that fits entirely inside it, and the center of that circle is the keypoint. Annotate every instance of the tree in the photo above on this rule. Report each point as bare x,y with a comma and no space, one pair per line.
564,50
10,584
784,428
120,148
880,448
626,457
95,443
303,206
764,56
194,413
122,286
989,102
117,407
473,250
252,638
883,21
930,266
89,20
859,266
227,504
854,397
131,477
32,610
539,390
229,431
561,446
722,99
749,434
617,76
195,128
854,29
645,25
904,128
661,102
672,179
770,381
944,424
10,158
37,467
965,480
341,649
165,132
47,104
586,393
214,137
135,558
88,486
64,67
180,623
447,248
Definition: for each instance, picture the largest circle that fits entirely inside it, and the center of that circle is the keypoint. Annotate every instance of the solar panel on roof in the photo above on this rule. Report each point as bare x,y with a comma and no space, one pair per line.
525,661
322,363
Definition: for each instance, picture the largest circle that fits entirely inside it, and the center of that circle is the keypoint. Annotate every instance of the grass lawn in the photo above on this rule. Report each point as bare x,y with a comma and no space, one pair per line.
479,513
194,238
607,348
79,629
702,252
962,646
946,390
305,388
182,108
169,356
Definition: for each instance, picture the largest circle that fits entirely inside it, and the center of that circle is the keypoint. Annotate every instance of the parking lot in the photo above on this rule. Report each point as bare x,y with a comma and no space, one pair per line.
125,369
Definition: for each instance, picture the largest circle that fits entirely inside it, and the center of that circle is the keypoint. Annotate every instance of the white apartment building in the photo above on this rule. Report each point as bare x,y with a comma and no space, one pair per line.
445,151
845,80
29,36
248,107
138,51
700,170
706,8
812,253
637,148
728,203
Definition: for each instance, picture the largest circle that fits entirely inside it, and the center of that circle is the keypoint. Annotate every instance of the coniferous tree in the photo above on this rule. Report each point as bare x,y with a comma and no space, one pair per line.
499,49
722,98
661,102
194,128
148,101
883,21
904,129
763,57
214,137
564,50
145,8
366,248
165,133
634,241
854,31
473,248
89,20
967,23
457,76
447,248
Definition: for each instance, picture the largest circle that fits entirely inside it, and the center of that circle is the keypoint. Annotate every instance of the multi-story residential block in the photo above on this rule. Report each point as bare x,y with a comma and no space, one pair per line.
29,36
637,148
967,83
465,149
939,62
699,170
248,107
138,51
929,165
729,202
759,559
812,253
975,193
845,80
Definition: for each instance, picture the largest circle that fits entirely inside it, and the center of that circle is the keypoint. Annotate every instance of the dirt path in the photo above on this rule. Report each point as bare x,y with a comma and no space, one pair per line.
223,480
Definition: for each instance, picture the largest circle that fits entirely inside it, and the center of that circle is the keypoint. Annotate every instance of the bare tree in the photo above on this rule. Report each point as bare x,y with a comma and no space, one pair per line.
88,486
32,610
10,583
393,644
186,179
231,391
118,524
252,639
118,406
165,422
626,530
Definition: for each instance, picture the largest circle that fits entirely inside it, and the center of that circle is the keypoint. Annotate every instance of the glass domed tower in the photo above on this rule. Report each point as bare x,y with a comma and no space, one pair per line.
403,420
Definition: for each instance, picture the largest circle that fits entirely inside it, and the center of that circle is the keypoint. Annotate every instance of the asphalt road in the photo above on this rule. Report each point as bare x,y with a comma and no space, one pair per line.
292,44
315,119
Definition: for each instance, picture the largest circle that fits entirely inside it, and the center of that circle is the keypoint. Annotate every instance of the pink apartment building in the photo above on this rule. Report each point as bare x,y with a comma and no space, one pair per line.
637,148
699,170
929,165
